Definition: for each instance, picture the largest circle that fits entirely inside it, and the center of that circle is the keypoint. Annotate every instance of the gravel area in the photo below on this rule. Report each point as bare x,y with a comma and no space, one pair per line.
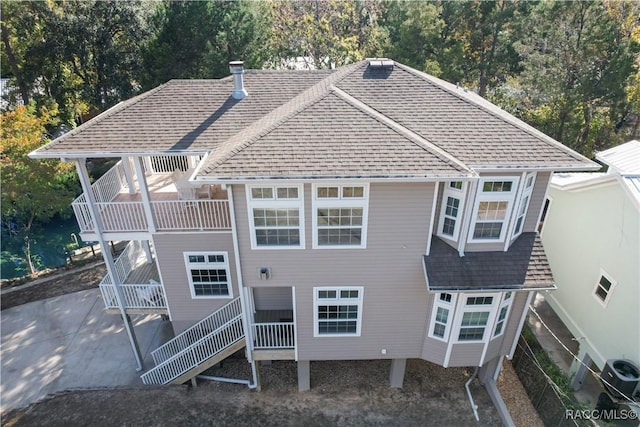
515,397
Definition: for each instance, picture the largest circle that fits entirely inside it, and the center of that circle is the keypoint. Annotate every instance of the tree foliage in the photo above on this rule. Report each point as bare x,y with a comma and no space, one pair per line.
31,189
198,39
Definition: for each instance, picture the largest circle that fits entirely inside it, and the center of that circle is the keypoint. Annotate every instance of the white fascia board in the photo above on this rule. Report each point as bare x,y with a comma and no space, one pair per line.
398,178
537,168
37,154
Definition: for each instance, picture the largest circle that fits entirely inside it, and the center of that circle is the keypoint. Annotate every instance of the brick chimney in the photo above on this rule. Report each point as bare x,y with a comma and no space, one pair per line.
237,70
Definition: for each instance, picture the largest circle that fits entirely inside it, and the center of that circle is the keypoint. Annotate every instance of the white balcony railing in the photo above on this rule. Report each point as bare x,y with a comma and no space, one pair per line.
168,215
273,335
225,314
140,295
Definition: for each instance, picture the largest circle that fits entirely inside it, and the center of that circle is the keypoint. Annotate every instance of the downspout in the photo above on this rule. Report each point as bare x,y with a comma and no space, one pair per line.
245,312
83,174
473,404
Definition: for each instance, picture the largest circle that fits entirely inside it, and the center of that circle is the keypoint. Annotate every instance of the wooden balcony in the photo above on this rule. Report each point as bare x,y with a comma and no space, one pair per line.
141,288
174,205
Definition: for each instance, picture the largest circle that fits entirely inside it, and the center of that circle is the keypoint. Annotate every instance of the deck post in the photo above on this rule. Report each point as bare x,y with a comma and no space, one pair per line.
396,373
304,375
147,251
83,174
144,193
128,174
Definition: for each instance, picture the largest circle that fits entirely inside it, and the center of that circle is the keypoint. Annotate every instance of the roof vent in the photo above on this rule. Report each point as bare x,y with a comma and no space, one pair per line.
237,70
381,64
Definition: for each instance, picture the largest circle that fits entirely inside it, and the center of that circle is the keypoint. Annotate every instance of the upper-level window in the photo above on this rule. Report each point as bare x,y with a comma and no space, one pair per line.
338,310
604,288
451,210
276,216
492,209
340,216
208,274
523,204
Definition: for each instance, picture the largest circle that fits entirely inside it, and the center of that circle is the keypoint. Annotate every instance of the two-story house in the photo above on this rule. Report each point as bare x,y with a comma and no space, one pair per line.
592,237
367,212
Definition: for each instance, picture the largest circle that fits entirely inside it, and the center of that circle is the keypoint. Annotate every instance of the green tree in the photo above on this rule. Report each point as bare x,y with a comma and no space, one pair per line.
576,62
324,33
82,55
32,190
198,39
415,34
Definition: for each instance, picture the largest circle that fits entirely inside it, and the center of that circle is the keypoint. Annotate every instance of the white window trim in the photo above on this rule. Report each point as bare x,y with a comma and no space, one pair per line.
462,308
526,193
457,194
504,303
337,301
207,265
438,303
501,196
339,202
275,203
614,283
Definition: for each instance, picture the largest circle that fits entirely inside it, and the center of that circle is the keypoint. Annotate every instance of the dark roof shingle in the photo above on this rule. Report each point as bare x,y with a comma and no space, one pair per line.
523,266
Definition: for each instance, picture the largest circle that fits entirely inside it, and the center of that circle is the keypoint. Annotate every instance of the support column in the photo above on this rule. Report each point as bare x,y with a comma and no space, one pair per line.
304,375
144,193
396,374
83,174
490,370
147,251
128,174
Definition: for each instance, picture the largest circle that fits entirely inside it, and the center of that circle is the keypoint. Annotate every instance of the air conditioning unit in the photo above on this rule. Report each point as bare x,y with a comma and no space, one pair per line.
621,376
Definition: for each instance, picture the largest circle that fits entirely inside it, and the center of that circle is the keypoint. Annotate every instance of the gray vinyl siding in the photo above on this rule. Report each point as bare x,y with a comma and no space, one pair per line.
272,298
511,332
536,204
466,354
390,270
493,348
170,248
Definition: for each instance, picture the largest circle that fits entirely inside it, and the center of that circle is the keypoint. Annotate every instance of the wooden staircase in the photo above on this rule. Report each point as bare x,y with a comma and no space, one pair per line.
204,344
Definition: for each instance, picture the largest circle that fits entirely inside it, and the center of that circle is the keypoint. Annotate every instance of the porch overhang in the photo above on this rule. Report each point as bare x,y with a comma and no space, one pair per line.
523,267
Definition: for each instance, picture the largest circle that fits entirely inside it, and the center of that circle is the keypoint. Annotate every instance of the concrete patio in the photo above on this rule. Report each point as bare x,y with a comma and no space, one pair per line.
70,342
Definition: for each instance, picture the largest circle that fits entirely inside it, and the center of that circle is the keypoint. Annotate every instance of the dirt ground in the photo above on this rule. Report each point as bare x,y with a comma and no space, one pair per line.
348,393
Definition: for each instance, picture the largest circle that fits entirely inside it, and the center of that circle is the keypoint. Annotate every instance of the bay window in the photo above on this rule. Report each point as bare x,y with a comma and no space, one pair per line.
492,209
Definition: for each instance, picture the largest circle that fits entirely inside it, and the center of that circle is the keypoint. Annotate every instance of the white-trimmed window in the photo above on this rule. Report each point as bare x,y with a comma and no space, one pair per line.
523,205
451,210
276,216
604,288
503,312
337,311
340,215
208,274
442,315
492,209
477,312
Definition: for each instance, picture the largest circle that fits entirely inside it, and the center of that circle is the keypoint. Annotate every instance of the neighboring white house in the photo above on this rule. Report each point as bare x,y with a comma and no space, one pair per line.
592,238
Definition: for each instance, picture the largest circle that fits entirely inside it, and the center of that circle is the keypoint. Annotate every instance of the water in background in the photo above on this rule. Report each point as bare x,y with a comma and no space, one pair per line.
48,246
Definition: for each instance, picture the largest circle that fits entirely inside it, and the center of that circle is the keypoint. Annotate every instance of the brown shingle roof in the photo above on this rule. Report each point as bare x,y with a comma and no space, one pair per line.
354,121
523,266
182,115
